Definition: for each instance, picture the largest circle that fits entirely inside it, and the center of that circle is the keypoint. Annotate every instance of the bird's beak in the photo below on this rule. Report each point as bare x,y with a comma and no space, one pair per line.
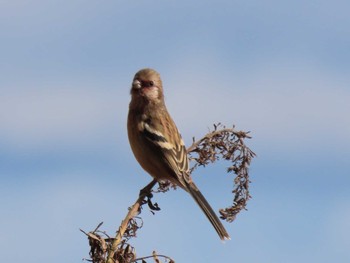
136,84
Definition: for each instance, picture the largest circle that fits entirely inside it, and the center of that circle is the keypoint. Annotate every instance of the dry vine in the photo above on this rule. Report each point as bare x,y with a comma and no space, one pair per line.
226,144
221,143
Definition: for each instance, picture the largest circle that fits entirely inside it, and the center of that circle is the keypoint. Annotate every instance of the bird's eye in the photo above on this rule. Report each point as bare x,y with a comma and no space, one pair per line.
151,83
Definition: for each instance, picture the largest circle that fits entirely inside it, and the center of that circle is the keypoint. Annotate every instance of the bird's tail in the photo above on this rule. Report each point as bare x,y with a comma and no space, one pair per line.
208,211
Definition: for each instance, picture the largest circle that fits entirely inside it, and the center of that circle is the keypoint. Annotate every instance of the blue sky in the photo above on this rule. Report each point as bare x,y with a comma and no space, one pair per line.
278,69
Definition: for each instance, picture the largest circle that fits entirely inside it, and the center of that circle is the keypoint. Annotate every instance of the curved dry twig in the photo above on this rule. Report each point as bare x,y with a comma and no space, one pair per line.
155,257
227,144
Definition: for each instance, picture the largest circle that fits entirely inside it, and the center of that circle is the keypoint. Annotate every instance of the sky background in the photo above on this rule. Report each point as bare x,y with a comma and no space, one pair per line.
280,69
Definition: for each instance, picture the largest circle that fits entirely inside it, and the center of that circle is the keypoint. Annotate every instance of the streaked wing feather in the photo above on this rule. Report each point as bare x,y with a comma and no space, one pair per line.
175,155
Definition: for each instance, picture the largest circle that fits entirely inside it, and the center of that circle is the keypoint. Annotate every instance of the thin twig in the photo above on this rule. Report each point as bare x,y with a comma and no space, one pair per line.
133,211
226,144
153,256
239,134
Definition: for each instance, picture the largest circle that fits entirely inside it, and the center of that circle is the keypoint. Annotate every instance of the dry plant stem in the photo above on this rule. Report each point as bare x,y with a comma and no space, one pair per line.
155,257
212,134
226,144
133,211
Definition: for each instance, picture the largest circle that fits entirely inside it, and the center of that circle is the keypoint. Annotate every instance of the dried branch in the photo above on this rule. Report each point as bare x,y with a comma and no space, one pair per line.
155,256
133,211
104,249
227,144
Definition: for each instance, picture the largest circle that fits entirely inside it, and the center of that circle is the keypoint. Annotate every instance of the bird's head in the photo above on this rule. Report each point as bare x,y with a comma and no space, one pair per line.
148,85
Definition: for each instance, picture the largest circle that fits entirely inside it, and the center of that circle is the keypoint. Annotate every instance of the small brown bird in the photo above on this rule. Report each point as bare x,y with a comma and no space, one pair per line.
156,142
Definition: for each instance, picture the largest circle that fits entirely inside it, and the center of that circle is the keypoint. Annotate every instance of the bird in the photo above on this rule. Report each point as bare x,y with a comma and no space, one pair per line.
157,144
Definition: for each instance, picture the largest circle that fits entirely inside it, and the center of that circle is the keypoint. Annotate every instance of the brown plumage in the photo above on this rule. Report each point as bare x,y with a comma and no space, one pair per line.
157,143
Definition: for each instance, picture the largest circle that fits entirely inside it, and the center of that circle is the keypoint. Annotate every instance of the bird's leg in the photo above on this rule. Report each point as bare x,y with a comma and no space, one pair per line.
146,196
146,191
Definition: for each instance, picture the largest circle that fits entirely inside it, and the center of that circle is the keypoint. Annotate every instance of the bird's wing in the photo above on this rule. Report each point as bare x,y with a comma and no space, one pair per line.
167,142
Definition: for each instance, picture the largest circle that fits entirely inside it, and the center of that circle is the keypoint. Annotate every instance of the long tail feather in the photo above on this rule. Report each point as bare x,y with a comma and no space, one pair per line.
208,211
